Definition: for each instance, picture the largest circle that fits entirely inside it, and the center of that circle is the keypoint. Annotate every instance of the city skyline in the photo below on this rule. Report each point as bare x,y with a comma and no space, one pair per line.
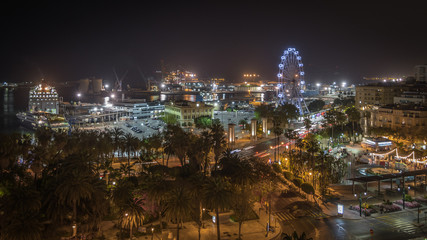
73,40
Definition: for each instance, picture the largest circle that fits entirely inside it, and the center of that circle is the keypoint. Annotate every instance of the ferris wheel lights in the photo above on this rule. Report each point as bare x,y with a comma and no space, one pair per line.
280,95
289,49
283,57
301,73
302,82
300,65
296,52
279,75
279,85
298,58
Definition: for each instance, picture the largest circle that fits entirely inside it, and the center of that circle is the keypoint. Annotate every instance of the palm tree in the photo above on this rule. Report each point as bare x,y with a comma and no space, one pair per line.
178,206
15,230
294,236
195,188
353,116
20,210
132,215
307,123
218,140
117,137
178,142
242,175
217,195
131,144
130,207
74,188
157,189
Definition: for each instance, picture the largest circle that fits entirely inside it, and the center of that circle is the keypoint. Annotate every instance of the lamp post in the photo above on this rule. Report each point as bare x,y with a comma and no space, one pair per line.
359,196
152,233
203,222
404,194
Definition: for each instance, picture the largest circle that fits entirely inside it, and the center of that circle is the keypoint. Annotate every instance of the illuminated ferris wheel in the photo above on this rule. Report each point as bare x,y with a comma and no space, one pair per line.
291,80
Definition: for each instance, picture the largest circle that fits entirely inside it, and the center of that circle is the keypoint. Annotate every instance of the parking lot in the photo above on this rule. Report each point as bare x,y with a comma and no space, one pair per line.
142,128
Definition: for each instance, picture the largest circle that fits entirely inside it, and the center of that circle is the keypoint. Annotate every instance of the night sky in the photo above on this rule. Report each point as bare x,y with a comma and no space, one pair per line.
69,40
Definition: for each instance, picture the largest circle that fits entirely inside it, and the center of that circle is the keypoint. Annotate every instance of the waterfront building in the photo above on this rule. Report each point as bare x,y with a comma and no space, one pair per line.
140,109
43,98
185,112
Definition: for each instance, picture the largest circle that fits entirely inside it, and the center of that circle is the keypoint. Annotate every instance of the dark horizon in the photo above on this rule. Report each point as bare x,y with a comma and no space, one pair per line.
67,41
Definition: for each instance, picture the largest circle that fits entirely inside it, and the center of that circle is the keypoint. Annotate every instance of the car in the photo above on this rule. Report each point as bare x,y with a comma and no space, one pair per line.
128,125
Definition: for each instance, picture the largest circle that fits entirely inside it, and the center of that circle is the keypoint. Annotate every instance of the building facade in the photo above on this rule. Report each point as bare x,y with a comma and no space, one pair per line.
411,98
399,117
185,112
142,110
421,73
43,98
376,95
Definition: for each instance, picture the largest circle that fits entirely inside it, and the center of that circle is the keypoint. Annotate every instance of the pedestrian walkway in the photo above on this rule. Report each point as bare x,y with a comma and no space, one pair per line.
401,224
284,216
316,214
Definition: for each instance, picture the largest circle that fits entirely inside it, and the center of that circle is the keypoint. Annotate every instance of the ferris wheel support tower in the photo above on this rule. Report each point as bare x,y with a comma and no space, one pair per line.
291,82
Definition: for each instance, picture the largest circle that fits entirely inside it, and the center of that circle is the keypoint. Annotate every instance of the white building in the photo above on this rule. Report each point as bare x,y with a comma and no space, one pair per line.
142,110
43,98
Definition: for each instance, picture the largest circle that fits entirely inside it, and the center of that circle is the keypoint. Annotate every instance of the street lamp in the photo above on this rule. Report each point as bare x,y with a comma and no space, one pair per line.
203,222
360,201
404,194
152,233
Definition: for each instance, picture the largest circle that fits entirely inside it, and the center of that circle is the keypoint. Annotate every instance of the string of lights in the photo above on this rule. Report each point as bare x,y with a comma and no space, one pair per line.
418,160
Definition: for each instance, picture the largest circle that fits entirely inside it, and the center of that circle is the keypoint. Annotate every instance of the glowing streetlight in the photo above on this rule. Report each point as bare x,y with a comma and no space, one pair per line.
113,96
79,94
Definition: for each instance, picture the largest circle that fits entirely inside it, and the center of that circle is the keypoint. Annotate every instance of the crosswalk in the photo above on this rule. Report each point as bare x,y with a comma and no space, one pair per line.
399,224
286,216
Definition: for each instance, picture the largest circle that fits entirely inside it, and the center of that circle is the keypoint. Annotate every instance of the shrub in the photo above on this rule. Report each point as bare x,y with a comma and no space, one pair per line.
288,175
277,168
365,211
412,204
391,207
297,182
408,198
307,188
421,199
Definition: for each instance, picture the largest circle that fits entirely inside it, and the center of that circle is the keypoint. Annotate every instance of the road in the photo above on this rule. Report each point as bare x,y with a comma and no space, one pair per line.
389,226
317,225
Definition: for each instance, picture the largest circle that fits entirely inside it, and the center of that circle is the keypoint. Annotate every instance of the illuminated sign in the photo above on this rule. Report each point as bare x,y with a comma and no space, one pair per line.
340,209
